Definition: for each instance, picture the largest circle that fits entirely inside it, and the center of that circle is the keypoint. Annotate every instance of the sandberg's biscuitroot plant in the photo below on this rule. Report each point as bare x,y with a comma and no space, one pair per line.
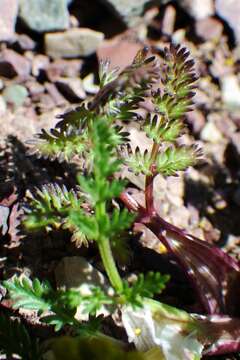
155,93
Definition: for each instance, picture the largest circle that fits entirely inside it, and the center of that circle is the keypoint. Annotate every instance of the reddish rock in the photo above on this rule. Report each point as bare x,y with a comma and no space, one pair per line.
61,67
12,64
119,51
55,94
209,29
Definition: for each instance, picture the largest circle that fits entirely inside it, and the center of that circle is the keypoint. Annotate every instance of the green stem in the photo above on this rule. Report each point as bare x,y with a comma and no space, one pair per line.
109,264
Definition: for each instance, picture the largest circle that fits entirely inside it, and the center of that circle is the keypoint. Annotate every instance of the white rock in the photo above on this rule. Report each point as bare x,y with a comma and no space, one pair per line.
76,273
230,90
199,9
211,133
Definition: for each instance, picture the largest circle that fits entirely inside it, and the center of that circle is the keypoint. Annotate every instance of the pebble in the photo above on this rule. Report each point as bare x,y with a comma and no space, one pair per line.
230,90
211,133
15,94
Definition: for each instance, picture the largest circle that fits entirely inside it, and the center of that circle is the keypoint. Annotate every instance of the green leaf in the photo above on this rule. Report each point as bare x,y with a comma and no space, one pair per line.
49,207
145,286
159,129
177,159
68,138
140,162
28,294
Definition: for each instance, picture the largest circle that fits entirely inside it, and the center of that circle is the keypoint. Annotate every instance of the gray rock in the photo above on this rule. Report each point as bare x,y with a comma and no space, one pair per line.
129,10
15,94
198,9
44,15
73,43
8,12
229,10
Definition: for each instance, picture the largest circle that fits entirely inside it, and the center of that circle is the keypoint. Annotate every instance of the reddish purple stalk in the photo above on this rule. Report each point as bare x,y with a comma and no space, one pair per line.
213,274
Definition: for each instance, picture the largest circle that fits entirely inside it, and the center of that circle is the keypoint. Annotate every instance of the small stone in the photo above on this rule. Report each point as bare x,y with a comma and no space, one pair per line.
230,90
12,64
63,68
198,9
197,120
209,29
35,89
9,9
229,11
40,62
72,88
25,42
55,94
168,21
46,102
44,15
73,43
88,84
211,133
15,94
3,106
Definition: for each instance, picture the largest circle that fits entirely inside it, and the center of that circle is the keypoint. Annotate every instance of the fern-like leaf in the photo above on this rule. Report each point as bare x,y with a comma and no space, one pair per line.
48,207
28,294
139,162
158,129
145,286
178,78
67,139
175,159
